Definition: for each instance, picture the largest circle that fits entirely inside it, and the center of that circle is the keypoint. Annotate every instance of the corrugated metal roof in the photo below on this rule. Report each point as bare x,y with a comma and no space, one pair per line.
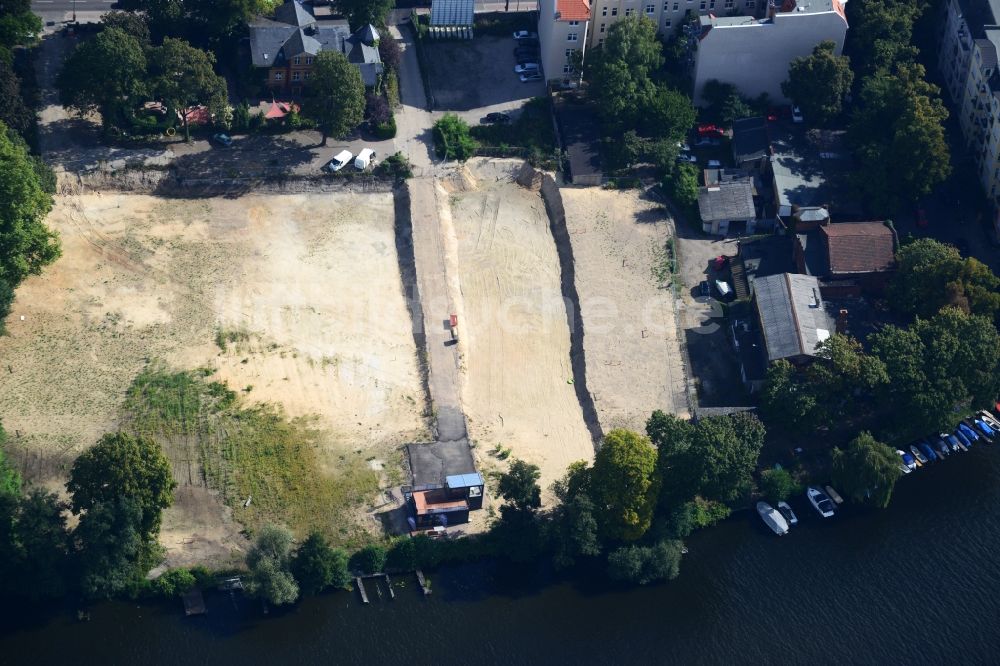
792,316
728,200
464,480
452,12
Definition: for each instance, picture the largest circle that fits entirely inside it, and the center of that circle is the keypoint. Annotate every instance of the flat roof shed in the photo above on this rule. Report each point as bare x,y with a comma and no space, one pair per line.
452,19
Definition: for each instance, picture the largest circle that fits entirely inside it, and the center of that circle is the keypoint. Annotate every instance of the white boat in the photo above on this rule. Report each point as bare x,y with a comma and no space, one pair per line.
787,512
820,501
834,495
772,518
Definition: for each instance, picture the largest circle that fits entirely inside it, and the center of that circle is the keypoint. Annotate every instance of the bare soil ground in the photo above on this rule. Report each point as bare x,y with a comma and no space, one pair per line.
634,362
515,335
304,290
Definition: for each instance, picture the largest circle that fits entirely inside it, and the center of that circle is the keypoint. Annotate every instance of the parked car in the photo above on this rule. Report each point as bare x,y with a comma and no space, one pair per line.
566,84
687,157
339,161
496,117
531,76
797,115
526,67
222,139
708,129
365,159
706,141
714,164
683,147
528,41
524,34
522,54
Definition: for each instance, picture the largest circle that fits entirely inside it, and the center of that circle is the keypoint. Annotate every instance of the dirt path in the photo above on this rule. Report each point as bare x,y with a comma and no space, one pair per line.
634,362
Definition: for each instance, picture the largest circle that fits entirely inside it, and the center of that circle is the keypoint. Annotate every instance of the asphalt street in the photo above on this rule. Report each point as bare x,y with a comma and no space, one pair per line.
52,6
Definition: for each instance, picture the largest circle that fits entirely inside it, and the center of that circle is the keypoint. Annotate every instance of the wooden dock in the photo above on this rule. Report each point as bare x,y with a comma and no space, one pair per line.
361,588
423,582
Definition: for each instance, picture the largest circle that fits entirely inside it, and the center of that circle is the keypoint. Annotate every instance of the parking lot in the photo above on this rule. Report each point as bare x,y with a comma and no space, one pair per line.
473,75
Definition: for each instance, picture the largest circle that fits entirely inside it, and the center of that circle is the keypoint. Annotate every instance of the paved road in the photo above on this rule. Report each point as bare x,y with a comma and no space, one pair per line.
47,7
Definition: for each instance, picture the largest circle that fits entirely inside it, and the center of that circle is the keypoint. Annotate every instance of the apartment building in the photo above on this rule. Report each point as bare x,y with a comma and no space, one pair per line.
562,32
754,54
668,15
967,59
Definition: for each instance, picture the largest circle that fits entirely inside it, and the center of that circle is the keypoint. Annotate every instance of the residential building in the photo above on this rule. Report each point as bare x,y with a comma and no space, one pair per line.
967,60
725,203
753,54
562,35
668,15
751,144
791,316
444,484
810,176
286,46
849,258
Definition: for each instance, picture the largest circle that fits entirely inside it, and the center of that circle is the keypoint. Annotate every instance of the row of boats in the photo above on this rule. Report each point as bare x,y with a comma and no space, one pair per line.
983,427
780,520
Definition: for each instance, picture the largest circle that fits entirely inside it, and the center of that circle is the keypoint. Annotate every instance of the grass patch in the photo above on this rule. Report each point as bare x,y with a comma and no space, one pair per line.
665,272
532,132
254,451
229,336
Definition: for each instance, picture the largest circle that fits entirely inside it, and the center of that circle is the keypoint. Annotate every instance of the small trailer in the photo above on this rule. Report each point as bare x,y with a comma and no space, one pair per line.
453,321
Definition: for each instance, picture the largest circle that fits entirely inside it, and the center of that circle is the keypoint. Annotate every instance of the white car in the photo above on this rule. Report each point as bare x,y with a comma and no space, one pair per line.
687,157
820,501
339,161
364,159
714,164
525,68
524,34
797,115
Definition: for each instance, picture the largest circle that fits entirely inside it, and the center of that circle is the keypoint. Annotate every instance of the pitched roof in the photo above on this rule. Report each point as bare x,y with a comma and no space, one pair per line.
728,200
750,139
300,43
274,43
364,54
858,247
294,13
792,318
573,10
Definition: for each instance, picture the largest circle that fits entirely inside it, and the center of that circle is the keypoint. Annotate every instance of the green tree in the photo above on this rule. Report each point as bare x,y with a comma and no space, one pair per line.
881,34
720,462
182,77
316,566
114,549
696,514
19,26
778,485
787,399
867,471
845,381
646,564
723,102
336,95
931,275
105,73
519,486
624,485
898,137
360,13
575,532
452,140
269,561
10,479
173,583
15,114
370,559
819,82
123,465
681,185
34,545
131,23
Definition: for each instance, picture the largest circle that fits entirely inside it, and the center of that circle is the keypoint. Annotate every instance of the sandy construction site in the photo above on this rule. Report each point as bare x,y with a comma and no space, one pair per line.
304,290
517,377
634,362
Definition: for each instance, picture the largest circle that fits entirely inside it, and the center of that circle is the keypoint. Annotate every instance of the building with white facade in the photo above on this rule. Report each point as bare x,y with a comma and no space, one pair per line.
754,54
668,15
562,31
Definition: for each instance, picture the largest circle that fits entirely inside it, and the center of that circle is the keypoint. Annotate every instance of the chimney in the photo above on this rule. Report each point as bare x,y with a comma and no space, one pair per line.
842,322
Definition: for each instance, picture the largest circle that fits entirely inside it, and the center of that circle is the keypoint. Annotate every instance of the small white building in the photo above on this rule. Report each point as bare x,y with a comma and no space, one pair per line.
754,54
725,202
562,34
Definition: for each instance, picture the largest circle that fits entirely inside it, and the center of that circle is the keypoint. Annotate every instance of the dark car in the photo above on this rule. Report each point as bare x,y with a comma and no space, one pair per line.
223,140
526,53
497,117
528,41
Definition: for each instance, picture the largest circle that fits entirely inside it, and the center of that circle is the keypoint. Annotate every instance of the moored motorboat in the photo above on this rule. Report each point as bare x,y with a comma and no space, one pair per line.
772,518
939,446
928,451
834,495
823,505
955,442
787,512
921,458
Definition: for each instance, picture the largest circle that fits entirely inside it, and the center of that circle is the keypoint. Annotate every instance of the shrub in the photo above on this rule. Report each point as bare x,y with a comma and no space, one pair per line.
370,559
386,130
778,485
377,109
392,88
173,583
452,139
645,564
396,165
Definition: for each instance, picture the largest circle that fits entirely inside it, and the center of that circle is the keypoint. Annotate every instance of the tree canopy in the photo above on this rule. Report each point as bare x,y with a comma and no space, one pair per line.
269,561
624,485
182,76
316,566
123,465
114,547
867,471
931,275
452,139
337,95
519,486
362,12
819,82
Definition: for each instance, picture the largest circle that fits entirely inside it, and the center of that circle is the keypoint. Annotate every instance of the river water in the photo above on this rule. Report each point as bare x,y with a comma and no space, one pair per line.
918,583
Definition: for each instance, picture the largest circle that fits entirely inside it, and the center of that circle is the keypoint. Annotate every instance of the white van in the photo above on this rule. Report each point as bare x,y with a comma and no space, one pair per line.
339,161
364,159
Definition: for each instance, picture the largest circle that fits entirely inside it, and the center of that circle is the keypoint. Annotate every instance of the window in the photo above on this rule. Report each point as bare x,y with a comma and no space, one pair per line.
703,5
677,6
600,41
729,4
650,10
614,11
573,24
278,76
604,11
751,4
296,60
667,23
571,37
602,27
711,5
295,76
569,53
309,60
629,10
567,69
666,6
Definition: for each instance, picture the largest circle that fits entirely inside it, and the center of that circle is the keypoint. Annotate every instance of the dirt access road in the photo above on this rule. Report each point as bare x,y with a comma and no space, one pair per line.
308,285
